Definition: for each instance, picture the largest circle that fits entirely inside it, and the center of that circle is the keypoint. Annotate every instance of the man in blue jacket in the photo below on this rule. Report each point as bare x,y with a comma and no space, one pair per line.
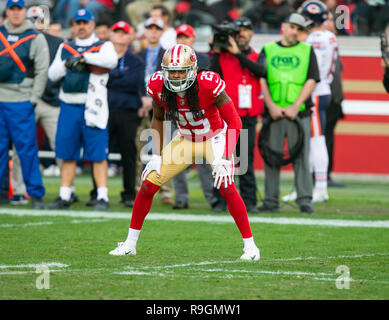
125,87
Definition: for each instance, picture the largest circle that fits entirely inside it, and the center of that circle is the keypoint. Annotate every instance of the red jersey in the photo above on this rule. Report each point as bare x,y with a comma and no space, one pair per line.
200,128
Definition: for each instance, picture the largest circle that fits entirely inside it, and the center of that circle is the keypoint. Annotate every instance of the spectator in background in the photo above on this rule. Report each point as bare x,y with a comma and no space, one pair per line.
46,108
186,35
23,77
77,125
152,57
65,9
334,110
362,17
125,89
278,106
224,10
274,13
237,65
325,46
168,38
138,10
55,29
73,30
103,31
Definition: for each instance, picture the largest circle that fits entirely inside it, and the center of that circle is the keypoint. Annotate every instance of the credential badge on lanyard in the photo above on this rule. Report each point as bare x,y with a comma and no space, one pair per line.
245,96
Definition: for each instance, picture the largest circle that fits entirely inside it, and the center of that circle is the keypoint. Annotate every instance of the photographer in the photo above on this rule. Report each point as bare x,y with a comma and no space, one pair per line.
236,62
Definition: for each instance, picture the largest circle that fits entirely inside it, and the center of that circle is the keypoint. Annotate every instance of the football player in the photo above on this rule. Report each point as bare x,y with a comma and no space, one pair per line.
208,129
326,49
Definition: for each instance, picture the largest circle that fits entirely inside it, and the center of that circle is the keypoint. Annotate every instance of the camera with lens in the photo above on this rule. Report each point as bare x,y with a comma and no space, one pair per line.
221,33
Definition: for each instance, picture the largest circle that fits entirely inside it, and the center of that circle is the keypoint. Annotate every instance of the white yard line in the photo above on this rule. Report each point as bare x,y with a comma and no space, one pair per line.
331,257
33,265
200,218
29,224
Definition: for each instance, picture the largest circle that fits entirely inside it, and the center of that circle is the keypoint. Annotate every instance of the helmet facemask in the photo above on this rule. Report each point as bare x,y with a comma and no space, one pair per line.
186,60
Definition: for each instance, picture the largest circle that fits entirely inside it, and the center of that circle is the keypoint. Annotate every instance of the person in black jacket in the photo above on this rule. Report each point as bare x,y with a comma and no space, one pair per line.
125,88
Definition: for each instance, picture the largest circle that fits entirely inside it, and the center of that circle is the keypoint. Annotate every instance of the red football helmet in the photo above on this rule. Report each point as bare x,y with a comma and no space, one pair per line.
179,57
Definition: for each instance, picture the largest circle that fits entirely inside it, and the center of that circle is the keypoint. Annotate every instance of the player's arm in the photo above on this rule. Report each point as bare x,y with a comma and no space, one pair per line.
157,126
231,117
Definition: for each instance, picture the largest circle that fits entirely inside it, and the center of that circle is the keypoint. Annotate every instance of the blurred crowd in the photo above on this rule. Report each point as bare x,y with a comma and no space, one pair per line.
357,17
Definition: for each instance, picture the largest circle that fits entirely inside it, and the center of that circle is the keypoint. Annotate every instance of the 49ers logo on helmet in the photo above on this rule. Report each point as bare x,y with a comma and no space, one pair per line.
193,56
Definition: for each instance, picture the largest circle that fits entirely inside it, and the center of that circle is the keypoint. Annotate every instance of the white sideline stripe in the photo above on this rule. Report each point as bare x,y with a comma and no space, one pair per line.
32,265
88,221
200,218
26,224
7,273
293,273
332,257
204,263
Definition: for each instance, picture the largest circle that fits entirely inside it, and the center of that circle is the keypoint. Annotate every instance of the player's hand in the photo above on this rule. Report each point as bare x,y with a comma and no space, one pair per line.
223,170
153,165
276,112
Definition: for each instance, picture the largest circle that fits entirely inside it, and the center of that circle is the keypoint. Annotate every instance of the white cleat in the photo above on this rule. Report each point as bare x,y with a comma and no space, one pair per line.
320,196
290,197
250,254
123,249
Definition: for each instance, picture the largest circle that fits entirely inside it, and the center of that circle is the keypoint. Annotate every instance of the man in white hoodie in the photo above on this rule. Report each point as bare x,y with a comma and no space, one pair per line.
75,64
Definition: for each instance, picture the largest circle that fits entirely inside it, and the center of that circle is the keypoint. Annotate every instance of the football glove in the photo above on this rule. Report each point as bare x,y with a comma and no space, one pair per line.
76,64
153,165
223,169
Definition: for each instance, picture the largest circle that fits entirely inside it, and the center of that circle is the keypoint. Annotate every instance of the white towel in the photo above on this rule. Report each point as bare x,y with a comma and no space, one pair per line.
96,105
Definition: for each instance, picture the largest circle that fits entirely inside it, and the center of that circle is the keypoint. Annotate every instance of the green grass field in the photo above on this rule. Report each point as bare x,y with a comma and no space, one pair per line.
198,259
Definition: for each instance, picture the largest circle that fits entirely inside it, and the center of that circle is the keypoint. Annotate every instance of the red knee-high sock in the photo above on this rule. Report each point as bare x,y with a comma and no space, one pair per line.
237,209
142,204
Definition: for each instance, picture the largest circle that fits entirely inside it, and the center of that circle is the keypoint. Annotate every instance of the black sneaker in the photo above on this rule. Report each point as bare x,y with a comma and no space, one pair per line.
219,207
37,203
74,198
92,202
266,208
251,209
59,204
333,184
101,205
306,208
18,199
128,203
181,205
